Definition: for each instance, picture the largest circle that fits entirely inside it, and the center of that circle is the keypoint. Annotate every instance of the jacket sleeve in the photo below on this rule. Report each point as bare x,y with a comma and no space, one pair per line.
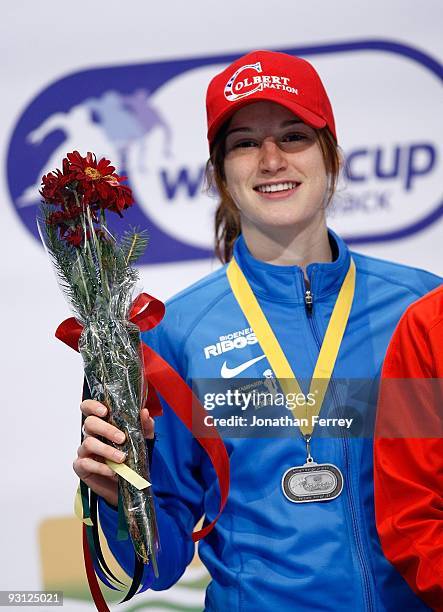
177,487
408,461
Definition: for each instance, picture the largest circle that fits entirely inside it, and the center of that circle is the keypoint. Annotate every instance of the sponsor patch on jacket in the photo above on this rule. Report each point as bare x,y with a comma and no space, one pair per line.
228,342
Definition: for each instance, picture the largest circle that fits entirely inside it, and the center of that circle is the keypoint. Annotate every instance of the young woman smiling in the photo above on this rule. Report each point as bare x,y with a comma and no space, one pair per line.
292,303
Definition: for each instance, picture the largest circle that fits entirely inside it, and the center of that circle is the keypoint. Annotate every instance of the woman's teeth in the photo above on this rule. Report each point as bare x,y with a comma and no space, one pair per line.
276,187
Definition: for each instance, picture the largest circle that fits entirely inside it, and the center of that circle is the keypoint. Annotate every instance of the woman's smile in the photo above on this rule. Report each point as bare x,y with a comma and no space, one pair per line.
277,190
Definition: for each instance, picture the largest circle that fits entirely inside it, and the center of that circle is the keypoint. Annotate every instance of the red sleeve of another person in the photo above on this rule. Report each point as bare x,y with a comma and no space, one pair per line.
408,450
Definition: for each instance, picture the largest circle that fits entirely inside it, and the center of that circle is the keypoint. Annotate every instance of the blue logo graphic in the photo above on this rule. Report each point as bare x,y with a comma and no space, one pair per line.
114,112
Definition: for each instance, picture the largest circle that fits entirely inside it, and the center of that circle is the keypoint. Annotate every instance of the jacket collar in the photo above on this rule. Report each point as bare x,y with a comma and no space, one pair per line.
286,283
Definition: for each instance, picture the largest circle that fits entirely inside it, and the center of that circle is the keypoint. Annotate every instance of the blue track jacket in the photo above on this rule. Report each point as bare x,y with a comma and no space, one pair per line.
267,553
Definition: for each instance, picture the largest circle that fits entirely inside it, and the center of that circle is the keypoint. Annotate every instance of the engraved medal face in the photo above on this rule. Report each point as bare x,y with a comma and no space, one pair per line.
312,482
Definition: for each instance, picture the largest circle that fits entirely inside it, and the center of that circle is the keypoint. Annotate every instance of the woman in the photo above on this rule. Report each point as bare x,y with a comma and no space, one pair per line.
275,161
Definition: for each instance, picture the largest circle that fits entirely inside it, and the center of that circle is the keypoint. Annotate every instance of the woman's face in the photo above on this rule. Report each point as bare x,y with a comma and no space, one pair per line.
274,168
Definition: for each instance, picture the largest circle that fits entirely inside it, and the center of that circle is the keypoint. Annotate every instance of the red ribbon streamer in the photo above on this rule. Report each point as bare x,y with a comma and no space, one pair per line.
147,312
188,408
94,587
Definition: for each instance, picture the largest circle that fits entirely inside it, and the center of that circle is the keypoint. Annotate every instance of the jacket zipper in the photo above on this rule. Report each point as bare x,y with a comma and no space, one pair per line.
309,302
309,307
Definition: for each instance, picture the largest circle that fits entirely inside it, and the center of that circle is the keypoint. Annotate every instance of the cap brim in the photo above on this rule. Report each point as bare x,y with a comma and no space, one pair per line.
302,113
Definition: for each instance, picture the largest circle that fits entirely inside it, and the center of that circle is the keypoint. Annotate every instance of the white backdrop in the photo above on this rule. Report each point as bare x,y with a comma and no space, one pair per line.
383,102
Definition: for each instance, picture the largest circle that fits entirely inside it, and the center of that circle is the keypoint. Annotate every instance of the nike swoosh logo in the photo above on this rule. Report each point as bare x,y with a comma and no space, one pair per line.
231,372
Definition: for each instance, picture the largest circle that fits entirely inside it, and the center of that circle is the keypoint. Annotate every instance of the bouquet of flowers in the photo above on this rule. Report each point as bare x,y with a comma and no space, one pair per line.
95,274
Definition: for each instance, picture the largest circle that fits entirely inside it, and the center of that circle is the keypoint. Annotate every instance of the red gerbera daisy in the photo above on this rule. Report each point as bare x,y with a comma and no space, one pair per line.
55,185
98,183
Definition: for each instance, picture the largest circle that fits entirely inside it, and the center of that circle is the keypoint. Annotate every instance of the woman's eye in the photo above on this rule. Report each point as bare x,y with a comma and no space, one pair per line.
294,137
244,144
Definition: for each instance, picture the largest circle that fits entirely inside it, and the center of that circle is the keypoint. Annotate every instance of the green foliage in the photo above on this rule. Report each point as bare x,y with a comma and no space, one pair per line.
133,244
98,271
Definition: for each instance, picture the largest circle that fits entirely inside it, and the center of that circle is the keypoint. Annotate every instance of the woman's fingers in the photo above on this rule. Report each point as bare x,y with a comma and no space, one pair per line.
147,423
91,446
90,463
98,476
85,467
95,426
104,486
92,407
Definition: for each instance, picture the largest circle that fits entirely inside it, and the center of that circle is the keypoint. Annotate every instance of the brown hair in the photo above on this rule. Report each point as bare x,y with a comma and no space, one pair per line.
227,216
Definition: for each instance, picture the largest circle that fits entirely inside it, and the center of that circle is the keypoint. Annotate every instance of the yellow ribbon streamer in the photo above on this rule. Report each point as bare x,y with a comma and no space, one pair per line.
273,351
128,474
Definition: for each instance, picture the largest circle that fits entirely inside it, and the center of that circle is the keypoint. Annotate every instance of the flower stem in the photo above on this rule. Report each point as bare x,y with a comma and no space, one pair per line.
103,276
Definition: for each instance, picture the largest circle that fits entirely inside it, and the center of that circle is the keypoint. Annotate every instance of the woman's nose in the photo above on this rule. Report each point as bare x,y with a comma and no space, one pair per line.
272,158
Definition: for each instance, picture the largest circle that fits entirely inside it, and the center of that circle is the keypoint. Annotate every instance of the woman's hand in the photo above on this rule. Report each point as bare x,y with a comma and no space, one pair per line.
90,463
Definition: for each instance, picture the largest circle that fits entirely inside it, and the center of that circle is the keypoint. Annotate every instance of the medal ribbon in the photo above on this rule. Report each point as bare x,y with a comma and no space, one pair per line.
273,351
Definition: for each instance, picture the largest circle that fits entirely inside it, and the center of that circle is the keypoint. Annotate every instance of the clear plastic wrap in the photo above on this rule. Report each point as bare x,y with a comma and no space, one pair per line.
95,274
110,348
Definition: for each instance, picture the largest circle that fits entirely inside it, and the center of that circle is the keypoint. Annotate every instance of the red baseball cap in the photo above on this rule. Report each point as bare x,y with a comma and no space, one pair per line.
268,75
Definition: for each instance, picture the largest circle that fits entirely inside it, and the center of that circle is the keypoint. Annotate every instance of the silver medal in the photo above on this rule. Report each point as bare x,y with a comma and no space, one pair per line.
312,481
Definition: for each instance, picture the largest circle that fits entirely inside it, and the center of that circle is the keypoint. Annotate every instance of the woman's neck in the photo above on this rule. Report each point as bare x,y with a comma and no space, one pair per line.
288,246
